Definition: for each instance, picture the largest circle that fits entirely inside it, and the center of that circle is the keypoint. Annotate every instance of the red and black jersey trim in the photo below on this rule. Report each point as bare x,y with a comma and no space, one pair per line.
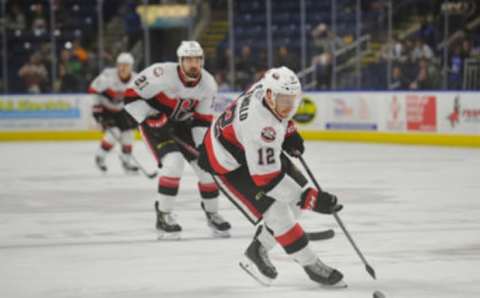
163,103
293,240
130,96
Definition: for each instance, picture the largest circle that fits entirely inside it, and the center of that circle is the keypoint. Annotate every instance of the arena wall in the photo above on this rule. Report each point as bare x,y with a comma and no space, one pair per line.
427,117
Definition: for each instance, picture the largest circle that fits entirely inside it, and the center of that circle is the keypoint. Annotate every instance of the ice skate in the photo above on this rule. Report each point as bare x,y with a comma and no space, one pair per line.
128,164
100,163
325,275
258,265
219,226
167,226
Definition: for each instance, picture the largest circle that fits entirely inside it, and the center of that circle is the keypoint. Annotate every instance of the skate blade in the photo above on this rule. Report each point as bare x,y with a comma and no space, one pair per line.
253,271
339,285
171,236
220,234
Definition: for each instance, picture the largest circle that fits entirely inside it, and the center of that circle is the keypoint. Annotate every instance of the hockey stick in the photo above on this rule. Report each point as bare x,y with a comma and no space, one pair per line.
369,268
140,166
313,236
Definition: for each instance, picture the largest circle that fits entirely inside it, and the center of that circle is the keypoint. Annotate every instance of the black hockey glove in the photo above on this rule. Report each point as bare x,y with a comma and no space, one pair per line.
322,202
293,144
125,121
103,116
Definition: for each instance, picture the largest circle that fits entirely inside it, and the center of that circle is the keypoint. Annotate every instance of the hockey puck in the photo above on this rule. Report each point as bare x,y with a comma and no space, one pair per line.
378,294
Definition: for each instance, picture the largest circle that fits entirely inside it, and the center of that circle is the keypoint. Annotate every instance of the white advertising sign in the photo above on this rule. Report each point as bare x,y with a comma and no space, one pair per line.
45,112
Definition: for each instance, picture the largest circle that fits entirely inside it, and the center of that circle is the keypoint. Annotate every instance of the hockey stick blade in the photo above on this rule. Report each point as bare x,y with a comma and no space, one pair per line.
321,235
370,271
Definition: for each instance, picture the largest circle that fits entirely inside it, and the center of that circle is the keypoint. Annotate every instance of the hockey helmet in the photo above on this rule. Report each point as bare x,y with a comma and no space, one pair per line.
285,88
125,58
189,48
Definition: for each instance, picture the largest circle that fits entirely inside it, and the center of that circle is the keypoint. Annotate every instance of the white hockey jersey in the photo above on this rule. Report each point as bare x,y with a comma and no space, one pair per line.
110,89
162,89
162,86
248,133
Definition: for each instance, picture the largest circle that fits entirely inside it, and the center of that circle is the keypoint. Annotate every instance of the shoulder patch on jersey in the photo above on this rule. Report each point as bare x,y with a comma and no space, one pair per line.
158,71
269,134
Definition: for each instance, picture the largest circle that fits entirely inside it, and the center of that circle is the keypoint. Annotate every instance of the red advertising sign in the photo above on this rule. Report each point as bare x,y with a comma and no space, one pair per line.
421,112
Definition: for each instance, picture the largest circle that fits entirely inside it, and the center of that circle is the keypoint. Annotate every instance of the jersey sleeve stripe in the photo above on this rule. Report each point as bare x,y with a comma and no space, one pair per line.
230,136
265,179
164,100
92,90
217,167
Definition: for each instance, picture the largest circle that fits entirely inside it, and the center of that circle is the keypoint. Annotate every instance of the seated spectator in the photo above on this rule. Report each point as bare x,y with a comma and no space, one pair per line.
421,51
424,80
245,68
79,52
15,20
223,86
399,82
284,58
455,69
39,21
34,75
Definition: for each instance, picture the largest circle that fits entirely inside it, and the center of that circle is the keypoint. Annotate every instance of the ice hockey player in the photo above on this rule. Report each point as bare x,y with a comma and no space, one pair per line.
109,88
176,99
244,150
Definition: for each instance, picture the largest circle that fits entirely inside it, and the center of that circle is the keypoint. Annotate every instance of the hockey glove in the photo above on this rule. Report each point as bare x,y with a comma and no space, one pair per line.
293,144
103,116
322,202
125,121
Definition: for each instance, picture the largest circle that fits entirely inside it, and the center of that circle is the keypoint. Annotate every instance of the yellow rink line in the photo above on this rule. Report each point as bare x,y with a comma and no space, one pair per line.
28,136
344,136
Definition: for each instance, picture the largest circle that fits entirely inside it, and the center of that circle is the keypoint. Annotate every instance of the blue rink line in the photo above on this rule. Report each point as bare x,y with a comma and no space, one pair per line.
72,113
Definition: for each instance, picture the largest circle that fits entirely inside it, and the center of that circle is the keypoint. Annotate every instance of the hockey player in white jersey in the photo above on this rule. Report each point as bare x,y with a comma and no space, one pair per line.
175,100
244,149
109,89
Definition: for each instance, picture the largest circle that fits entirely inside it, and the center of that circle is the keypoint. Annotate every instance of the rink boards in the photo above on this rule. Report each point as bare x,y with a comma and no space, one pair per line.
431,117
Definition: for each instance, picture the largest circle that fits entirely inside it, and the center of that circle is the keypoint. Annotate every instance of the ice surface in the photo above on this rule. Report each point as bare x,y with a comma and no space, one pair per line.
66,230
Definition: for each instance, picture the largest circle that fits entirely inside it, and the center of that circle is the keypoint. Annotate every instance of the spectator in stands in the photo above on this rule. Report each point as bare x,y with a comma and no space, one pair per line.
466,51
421,51
34,75
245,68
69,70
39,20
424,80
223,86
399,81
455,69
132,24
284,58
16,20
428,32
395,51
324,40
323,70
79,51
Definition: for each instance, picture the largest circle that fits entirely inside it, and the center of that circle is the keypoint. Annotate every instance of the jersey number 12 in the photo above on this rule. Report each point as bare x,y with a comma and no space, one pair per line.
266,156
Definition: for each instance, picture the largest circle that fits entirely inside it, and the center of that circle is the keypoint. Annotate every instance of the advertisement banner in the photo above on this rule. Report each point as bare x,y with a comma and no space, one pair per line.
394,112
421,112
45,112
459,113
351,111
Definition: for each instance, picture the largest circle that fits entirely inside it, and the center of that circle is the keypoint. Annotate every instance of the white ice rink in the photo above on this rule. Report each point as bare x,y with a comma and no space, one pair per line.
66,230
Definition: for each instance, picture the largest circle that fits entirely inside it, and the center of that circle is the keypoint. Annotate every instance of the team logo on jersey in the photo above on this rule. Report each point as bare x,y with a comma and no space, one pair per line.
269,134
158,71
